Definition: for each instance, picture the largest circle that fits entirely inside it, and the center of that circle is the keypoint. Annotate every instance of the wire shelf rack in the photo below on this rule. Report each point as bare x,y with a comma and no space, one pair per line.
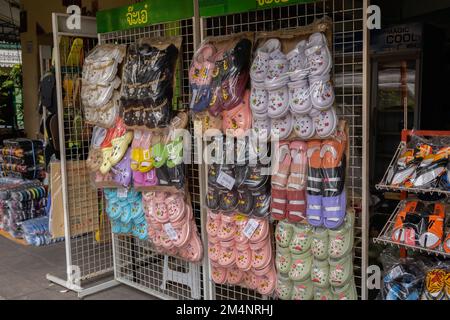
386,239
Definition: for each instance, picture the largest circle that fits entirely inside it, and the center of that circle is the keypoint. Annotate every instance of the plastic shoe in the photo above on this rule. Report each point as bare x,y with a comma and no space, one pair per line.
282,128
262,201
243,257
323,294
177,208
122,171
319,245
296,185
303,290
341,240
304,126
227,256
281,172
266,281
264,54
136,150
234,276
250,280
120,147
318,55
278,205
301,239
315,185
283,260
300,97
203,64
320,273
262,127
214,249
435,284
301,267
219,274
227,229
322,92
325,122
432,237
277,71
240,237
341,271
348,292
239,119
283,234
284,287
278,101
262,231
261,254
259,98
213,223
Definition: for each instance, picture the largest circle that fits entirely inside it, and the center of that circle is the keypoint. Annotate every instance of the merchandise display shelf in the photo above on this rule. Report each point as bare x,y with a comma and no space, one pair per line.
385,238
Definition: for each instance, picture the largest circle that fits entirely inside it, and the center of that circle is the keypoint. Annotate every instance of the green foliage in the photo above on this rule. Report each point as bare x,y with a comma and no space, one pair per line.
12,85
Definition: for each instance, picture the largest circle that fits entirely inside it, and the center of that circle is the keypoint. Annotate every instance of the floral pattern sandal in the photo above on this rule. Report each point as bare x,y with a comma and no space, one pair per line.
266,281
235,276
213,223
301,266
243,257
227,255
218,275
283,234
262,231
323,294
341,271
319,245
283,260
348,292
177,208
227,229
301,239
261,254
320,273
303,291
284,288
341,240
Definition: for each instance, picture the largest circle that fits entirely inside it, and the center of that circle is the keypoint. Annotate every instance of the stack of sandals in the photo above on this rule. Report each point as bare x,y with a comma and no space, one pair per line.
315,263
240,252
171,225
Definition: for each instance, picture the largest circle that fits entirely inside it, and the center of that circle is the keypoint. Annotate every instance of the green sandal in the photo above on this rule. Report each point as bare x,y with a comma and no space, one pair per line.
175,153
301,267
301,239
323,294
160,155
319,245
341,271
320,274
283,234
347,292
283,260
303,291
341,240
284,288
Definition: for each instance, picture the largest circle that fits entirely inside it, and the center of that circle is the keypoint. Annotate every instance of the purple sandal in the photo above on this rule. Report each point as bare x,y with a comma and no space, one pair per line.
122,171
314,212
334,210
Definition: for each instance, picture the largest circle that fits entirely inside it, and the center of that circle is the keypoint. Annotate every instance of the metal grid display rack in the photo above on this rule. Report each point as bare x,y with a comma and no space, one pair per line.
136,264
89,256
350,71
385,235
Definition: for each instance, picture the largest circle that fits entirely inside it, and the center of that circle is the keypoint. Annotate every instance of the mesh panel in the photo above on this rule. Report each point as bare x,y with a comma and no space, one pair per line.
348,21
136,264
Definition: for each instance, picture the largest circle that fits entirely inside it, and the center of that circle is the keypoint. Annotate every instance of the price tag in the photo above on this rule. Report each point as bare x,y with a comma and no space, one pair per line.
170,231
250,228
122,193
226,180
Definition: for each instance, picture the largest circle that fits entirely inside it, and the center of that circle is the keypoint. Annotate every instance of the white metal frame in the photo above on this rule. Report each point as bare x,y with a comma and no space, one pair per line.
74,278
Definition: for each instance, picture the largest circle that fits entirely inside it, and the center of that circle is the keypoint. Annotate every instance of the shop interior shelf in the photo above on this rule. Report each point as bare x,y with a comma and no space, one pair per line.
384,185
385,238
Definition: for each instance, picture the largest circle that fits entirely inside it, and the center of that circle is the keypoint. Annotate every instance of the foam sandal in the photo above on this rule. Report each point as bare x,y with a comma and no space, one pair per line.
213,249
320,243
262,231
227,229
278,205
320,273
161,213
259,98
304,126
260,64
255,178
212,198
434,288
282,127
241,223
341,271
203,64
323,294
303,290
282,170
213,223
322,92
341,240
402,232
246,201
315,184
278,101
262,127
277,71
266,281
283,234
301,239
228,200
334,210
243,257
238,120
122,171
301,267
261,203
177,208
175,153
219,274
284,288
346,293
250,281
234,276
160,155
325,122
300,97
283,260
227,257
318,55
261,254
298,62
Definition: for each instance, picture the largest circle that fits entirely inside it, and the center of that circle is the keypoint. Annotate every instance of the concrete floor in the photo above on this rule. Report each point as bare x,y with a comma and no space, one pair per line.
23,271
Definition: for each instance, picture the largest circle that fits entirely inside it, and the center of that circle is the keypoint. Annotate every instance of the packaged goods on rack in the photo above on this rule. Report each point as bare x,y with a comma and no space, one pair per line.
23,158
420,164
101,81
20,201
37,233
171,225
148,82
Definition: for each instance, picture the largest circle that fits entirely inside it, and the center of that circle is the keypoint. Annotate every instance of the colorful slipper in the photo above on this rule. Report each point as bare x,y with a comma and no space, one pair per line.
301,239
213,223
234,276
227,229
228,200
262,230
341,271
432,237
243,257
347,292
212,198
281,172
341,240
218,274
278,205
284,288
435,284
319,245
283,234
261,254
314,185
283,260
303,290
227,257
301,267
213,249
323,294
320,273
304,127
261,203
266,281
300,97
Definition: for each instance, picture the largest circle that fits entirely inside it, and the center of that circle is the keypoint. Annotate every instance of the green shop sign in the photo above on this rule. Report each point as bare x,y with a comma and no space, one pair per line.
143,14
210,8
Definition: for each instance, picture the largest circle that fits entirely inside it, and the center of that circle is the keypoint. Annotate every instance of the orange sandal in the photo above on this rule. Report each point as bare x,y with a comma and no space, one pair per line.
432,238
400,233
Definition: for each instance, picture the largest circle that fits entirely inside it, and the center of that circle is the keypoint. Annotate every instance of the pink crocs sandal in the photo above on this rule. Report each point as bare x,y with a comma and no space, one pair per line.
203,66
227,255
243,257
240,237
177,208
238,120
213,249
193,250
262,231
300,97
261,254
161,213
325,122
218,274
250,280
184,233
213,223
165,241
266,281
235,276
227,229
304,126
